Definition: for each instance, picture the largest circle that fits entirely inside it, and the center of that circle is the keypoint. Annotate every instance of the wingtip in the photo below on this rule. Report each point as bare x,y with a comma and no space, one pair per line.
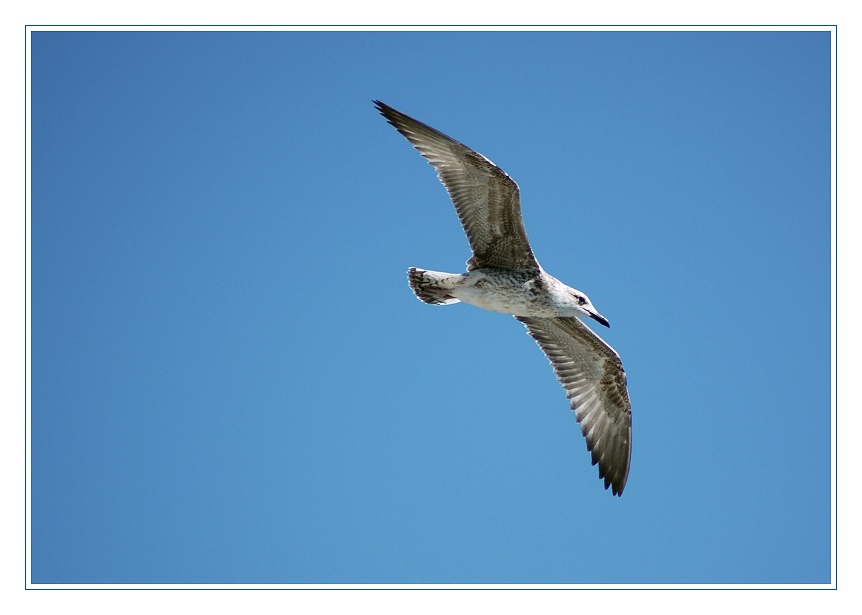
382,107
617,486
614,488
390,114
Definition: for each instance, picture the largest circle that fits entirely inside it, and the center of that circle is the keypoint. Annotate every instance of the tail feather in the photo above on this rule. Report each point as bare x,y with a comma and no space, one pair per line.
431,286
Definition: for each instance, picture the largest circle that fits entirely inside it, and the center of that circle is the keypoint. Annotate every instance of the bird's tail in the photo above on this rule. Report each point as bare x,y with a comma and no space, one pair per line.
433,286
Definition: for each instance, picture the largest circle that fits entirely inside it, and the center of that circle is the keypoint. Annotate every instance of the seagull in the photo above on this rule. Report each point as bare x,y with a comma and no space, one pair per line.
504,276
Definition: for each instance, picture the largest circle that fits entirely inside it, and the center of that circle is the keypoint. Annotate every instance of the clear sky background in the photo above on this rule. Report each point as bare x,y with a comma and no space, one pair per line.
233,383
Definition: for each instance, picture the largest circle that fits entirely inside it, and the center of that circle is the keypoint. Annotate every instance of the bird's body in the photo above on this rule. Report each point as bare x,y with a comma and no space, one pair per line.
506,291
504,276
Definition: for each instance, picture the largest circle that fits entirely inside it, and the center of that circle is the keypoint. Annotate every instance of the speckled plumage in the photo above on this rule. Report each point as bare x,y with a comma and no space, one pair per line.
504,276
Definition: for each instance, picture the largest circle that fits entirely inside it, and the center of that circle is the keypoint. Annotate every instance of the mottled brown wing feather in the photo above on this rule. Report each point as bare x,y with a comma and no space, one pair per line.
485,198
592,375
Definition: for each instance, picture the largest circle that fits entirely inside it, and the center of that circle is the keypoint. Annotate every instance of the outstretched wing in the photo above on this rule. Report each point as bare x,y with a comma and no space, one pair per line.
485,198
592,375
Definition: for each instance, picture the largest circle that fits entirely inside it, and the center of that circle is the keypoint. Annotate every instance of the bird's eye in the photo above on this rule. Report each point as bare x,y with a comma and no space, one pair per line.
581,301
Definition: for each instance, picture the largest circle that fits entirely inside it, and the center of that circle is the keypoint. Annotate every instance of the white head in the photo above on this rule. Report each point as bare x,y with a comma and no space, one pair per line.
580,305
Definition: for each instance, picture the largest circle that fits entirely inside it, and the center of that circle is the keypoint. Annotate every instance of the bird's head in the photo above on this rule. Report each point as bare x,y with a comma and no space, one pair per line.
582,306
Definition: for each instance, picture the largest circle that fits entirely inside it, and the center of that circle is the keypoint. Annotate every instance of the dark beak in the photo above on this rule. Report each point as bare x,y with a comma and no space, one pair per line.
600,318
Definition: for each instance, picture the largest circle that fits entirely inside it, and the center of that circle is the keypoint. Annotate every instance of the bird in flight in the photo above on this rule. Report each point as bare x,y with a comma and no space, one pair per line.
504,276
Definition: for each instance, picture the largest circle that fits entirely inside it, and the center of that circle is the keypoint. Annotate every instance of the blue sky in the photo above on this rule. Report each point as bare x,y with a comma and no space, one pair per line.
233,383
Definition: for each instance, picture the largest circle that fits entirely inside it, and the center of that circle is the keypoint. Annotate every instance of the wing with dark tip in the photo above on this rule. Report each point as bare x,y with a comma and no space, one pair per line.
485,198
592,375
